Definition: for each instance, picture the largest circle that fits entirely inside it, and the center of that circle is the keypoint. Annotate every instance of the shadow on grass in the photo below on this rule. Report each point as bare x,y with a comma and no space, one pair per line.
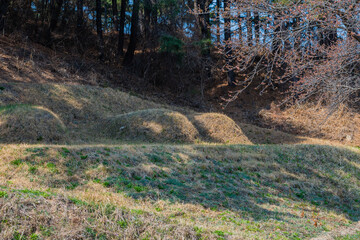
241,179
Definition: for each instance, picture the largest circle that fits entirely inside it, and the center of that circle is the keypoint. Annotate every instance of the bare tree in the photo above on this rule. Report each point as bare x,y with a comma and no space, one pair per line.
313,45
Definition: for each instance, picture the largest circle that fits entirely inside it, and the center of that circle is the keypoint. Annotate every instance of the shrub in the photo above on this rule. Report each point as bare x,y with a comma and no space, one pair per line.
173,45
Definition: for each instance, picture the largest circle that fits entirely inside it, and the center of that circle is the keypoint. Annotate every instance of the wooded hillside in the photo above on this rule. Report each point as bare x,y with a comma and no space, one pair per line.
308,47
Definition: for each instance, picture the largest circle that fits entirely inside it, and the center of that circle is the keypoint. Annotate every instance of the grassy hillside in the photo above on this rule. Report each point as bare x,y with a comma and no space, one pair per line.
84,162
88,115
27,62
177,192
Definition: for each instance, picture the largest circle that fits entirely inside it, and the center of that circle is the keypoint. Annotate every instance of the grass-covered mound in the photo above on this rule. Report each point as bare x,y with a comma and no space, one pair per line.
123,117
162,125
152,125
74,103
177,192
219,128
30,124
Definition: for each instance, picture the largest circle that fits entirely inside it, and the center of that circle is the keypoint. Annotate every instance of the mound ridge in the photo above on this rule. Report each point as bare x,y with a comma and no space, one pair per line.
219,128
162,125
31,124
154,125
104,115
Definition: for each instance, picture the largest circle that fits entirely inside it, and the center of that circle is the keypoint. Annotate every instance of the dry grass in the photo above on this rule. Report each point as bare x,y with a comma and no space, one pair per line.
74,103
22,123
83,108
152,125
43,215
32,63
219,128
346,233
178,192
314,121
144,191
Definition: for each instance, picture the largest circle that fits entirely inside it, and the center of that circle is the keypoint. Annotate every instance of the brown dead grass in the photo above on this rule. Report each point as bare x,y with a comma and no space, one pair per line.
88,111
61,218
74,103
344,233
216,127
26,69
305,120
161,125
22,123
152,125
314,121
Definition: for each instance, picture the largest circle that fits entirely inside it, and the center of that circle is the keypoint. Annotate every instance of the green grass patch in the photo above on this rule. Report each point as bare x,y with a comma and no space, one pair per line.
3,194
33,169
35,193
16,162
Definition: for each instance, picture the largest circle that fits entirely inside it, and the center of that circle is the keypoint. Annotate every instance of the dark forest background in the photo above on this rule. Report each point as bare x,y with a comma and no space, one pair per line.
309,49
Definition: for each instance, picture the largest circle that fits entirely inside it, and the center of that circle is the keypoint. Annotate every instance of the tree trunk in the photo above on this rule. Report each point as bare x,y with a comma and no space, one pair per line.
154,16
115,15
228,47
55,10
122,26
147,17
203,17
240,29
99,30
65,15
257,27
28,10
276,38
205,20
80,15
218,6
105,19
3,9
43,12
134,32
249,30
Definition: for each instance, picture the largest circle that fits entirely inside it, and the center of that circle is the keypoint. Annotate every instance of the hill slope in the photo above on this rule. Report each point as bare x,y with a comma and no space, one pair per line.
177,192
89,162
27,62
103,115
